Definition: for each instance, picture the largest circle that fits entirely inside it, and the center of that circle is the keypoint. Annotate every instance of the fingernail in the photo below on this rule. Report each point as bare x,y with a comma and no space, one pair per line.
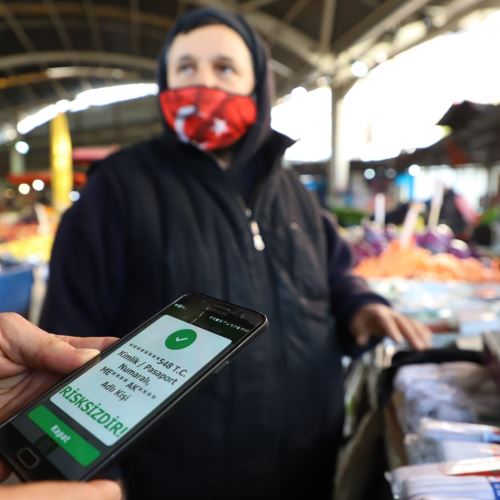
421,346
108,489
87,354
362,340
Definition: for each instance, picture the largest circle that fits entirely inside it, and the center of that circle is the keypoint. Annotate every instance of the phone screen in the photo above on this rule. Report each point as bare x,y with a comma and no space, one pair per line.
85,419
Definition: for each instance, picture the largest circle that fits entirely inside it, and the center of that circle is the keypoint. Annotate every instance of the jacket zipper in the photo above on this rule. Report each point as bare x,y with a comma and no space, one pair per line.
258,241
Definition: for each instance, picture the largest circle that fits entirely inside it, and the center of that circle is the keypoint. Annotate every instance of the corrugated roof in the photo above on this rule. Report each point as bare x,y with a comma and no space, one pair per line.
51,50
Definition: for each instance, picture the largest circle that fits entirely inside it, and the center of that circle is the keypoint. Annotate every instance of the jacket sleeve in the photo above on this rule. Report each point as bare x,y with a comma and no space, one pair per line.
86,269
348,293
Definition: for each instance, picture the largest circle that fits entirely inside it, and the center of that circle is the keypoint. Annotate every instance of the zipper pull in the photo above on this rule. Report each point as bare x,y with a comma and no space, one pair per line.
258,242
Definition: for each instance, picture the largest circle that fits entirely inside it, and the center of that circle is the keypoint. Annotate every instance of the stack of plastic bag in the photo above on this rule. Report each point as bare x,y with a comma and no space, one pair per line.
455,456
434,481
456,392
458,431
438,441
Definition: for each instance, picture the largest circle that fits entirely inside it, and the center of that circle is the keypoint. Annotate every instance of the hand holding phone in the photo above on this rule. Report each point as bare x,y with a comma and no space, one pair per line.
31,361
83,422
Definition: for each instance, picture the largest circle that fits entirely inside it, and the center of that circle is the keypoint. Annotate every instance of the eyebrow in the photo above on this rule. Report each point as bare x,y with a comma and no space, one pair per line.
184,58
219,57
222,57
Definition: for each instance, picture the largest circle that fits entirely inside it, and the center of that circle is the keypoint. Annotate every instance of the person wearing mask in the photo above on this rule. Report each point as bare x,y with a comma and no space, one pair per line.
31,361
207,207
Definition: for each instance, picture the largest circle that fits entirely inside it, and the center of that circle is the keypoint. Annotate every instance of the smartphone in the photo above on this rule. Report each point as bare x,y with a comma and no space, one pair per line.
86,420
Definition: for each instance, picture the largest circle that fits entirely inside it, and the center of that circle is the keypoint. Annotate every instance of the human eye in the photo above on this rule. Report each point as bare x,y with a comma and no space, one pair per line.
185,67
225,68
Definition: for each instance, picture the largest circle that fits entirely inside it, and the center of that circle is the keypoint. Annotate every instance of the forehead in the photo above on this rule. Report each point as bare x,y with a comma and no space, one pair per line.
207,41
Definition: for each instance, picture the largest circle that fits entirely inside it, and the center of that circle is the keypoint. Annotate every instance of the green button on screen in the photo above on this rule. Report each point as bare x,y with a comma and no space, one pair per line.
71,442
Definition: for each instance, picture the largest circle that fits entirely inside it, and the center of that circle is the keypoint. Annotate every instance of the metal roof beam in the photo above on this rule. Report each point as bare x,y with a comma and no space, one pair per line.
121,132
68,72
251,5
457,10
62,33
327,22
28,45
16,28
290,38
134,9
295,10
181,8
388,16
99,11
158,35
280,68
58,24
86,57
93,24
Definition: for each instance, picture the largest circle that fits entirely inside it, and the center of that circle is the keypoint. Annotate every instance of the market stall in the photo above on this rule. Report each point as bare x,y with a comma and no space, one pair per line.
426,425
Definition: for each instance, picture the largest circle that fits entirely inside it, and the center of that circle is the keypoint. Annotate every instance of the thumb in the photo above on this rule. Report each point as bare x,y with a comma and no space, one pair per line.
25,344
59,356
52,490
362,338
360,330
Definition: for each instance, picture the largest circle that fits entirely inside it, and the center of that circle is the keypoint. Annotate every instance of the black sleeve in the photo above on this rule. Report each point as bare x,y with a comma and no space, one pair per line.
86,269
348,293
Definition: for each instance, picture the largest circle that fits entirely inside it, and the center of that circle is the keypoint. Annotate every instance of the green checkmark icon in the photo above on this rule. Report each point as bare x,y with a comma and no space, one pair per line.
180,339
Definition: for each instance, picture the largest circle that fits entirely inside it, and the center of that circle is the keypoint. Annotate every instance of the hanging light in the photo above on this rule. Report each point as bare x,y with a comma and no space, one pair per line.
22,147
369,174
414,170
359,69
24,188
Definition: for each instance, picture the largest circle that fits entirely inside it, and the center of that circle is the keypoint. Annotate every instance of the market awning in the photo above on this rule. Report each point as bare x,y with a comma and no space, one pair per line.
474,139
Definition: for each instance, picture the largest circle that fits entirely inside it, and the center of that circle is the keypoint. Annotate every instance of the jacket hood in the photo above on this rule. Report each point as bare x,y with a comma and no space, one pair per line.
260,132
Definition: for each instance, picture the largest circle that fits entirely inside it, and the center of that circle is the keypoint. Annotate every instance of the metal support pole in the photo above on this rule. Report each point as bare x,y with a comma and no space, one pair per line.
338,168
16,162
331,174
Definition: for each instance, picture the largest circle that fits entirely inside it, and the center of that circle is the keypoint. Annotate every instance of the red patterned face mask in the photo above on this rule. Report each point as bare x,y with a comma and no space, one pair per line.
206,117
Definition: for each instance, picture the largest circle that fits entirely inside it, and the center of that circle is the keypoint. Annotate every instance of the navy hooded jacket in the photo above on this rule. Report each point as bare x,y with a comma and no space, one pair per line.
161,218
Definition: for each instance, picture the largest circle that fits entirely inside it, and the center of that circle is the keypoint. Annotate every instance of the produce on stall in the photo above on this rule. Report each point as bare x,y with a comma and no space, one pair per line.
419,263
26,239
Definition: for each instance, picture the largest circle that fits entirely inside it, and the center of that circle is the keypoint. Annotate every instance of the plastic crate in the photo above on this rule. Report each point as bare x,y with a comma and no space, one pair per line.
15,289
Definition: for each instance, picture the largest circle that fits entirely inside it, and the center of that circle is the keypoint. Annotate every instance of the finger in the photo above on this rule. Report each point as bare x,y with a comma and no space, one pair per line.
99,343
98,490
361,331
409,332
5,470
388,326
59,356
72,352
362,338
25,344
27,389
424,333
